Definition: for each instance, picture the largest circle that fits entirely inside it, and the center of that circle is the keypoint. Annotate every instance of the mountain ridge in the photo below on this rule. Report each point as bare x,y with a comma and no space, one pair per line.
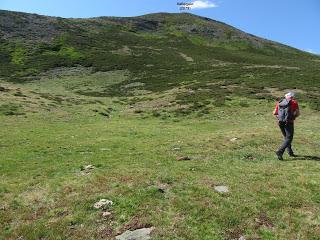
158,17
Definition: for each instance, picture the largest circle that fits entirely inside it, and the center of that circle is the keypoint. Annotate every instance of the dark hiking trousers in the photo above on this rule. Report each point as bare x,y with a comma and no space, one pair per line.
287,130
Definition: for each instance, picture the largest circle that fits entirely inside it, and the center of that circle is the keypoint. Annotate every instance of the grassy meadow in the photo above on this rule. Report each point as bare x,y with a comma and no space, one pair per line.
53,133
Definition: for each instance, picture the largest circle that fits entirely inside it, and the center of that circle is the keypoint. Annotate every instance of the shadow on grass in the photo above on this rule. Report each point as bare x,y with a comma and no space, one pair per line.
305,157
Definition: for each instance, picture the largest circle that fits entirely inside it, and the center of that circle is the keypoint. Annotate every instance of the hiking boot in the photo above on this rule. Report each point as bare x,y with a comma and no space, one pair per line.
279,155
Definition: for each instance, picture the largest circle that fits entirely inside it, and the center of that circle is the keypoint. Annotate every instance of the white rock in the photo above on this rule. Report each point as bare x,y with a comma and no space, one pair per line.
234,139
139,234
89,167
106,214
102,203
242,238
221,189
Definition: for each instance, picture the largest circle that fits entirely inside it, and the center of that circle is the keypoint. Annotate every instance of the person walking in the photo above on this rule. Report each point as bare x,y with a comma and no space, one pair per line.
286,111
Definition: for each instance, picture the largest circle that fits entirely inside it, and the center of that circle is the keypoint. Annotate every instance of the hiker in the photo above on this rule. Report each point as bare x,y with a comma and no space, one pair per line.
286,111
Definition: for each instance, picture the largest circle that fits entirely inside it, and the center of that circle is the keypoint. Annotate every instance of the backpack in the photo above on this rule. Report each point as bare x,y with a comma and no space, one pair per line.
284,111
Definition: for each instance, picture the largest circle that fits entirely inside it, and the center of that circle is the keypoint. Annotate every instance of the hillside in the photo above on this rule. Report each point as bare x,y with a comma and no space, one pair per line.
159,51
167,117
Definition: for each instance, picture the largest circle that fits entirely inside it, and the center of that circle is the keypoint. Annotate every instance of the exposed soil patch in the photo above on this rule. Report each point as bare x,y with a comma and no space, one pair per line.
263,221
234,234
249,157
134,224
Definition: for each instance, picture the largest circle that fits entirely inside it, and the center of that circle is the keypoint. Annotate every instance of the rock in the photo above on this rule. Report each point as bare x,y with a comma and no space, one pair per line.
242,238
185,158
86,170
234,139
106,214
138,234
89,167
102,203
176,149
221,189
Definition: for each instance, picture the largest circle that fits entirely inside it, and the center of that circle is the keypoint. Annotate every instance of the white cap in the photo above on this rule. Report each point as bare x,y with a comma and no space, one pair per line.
289,95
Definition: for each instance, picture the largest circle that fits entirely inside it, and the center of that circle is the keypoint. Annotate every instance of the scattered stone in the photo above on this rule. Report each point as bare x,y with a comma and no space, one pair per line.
86,170
185,158
102,203
221,189
234,139
106,214
242,238
89,167
138,234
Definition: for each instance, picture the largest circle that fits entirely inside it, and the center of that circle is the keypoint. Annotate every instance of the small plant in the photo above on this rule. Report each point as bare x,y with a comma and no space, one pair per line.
155,113
243,104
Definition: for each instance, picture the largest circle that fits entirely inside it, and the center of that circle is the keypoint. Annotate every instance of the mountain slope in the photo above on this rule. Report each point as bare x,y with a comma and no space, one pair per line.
160,51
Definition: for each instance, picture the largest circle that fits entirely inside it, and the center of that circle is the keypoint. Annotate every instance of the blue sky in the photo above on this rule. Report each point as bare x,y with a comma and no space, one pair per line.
292,22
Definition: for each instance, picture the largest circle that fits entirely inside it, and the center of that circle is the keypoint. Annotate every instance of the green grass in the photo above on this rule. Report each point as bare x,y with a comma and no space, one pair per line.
44,195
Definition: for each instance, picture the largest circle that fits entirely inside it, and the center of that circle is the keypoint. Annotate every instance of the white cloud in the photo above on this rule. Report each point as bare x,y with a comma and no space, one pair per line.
200,4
